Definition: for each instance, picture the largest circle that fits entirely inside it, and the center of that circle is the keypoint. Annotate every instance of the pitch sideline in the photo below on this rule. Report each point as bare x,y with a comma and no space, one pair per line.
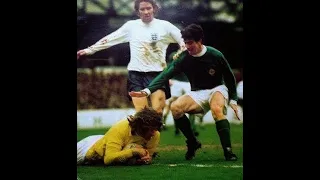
200,165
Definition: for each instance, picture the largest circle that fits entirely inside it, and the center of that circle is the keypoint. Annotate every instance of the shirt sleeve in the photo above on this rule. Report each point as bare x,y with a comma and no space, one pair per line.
172,70
113,151
229,79
176,35
153,143
119,36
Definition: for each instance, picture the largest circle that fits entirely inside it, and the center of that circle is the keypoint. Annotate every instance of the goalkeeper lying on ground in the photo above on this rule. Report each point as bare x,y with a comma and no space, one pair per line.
140,132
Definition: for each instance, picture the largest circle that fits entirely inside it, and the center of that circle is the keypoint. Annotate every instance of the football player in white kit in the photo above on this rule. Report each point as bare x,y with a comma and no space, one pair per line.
148,39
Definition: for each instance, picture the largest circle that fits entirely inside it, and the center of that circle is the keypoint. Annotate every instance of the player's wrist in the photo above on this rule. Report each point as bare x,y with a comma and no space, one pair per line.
233,102
146,91
88,51
135,152
139,152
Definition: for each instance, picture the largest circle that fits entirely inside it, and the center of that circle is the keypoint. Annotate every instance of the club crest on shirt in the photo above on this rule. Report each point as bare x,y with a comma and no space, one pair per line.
212,71
154,37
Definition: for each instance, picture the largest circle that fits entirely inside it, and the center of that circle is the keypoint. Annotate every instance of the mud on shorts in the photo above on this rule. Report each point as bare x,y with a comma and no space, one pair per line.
140,80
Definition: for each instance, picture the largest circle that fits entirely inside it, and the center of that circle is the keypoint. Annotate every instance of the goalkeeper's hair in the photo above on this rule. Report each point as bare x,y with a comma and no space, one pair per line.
155,6
192,32
145,119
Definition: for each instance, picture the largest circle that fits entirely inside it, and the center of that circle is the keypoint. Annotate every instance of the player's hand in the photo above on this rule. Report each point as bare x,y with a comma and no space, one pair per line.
81,53
147,159
176,56
138,94
235,109
140,151
170,82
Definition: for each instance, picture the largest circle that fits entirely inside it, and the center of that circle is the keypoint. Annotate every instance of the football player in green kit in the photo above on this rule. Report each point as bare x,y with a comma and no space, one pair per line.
213,87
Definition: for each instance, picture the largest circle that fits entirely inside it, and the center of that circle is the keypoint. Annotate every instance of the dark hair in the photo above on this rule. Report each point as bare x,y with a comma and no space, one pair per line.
192,32
154,5
145,119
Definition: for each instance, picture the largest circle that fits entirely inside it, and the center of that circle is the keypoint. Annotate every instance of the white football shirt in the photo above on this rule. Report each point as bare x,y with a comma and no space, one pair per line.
148,43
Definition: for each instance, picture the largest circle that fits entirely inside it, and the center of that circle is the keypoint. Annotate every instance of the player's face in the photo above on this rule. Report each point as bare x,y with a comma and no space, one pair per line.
146,12
193,47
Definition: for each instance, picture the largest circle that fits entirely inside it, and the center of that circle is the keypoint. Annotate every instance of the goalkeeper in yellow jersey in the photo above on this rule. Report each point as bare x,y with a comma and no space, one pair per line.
109,149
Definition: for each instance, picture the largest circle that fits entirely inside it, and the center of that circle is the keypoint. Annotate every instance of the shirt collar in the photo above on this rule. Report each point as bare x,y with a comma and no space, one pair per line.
203,51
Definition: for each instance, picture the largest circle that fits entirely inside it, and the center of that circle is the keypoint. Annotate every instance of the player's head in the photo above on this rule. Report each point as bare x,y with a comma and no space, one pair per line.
146,122
146,9
193,37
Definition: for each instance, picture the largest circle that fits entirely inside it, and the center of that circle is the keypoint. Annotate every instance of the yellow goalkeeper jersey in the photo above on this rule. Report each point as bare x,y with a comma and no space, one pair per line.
110,147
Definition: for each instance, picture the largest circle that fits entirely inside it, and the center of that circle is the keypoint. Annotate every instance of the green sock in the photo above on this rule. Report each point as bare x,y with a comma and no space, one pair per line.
176,128
184,125
223,129
192,122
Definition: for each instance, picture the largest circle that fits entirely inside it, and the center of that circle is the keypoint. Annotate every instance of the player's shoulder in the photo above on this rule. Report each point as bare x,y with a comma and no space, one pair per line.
156,135
121,124
163,22
121,128
160,20
184,53
133,22
178,55
214,51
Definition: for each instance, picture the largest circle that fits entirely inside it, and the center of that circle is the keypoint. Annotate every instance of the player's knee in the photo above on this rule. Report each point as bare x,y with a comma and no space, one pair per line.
159,110
176,109
159,107
217,111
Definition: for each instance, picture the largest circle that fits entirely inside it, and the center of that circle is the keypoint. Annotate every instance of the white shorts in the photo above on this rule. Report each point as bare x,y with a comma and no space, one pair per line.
203,97
84,145
179,88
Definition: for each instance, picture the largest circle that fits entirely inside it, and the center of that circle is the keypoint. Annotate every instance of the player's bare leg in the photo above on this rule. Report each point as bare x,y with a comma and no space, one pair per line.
158,100
179,107
139,103
166,110
218,110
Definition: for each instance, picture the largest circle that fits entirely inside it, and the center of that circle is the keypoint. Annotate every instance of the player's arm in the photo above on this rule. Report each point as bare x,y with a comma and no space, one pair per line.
114,152
117,37
177,37
158,81
175,33
151,147
153,143
229,80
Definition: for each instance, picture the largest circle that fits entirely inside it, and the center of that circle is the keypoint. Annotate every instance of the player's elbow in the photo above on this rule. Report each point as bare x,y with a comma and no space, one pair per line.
108,160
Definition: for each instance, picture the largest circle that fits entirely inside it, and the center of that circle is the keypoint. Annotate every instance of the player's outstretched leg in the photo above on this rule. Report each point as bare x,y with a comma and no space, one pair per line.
193,144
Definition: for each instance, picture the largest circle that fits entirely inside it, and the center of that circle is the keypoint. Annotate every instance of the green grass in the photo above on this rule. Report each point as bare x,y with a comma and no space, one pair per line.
209,162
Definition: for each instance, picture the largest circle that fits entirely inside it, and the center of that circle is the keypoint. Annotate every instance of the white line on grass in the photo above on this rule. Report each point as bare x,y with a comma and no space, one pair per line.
201,165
